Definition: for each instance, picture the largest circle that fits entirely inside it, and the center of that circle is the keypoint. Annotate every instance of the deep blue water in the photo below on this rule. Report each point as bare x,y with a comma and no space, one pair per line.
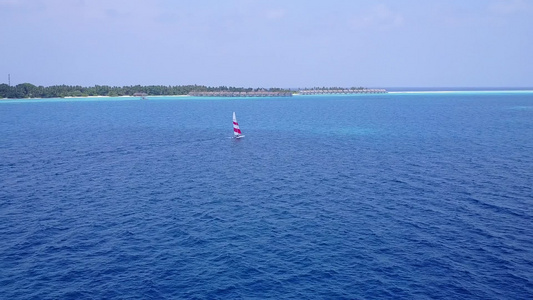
400,196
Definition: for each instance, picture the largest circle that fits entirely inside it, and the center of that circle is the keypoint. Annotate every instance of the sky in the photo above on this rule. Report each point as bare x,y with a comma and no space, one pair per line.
268,43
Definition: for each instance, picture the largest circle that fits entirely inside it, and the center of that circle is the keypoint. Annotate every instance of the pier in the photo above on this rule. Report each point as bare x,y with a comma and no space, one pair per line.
241,94
343,91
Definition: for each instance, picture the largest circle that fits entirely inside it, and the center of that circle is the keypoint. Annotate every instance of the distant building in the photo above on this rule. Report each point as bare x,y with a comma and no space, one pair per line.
142,95
240,94
344,91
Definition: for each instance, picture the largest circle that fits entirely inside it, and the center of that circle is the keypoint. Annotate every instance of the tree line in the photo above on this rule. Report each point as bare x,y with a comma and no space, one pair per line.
28,90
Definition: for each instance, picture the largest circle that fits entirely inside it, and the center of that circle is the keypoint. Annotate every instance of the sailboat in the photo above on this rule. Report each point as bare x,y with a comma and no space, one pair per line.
236,130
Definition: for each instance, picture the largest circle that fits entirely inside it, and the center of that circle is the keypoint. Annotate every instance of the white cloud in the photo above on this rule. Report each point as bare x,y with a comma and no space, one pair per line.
275,14
378,17
20,6
508,7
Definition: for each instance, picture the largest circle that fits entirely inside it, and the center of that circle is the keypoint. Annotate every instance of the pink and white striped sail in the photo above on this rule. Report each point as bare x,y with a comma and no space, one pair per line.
236,130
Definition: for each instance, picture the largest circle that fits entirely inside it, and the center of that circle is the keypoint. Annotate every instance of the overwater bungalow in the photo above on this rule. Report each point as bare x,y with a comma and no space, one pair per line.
240,94
343,91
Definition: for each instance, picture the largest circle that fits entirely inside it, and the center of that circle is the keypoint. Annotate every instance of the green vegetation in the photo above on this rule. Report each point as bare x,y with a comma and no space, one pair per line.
28,90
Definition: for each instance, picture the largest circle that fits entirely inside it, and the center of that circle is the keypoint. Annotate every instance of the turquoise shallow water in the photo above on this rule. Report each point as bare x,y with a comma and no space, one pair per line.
379,196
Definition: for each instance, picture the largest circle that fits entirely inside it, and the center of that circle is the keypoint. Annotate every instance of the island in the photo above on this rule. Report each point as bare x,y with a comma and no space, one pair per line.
28,90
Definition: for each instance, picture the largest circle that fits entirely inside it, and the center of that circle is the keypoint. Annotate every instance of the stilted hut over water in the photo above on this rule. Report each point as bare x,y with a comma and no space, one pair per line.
241,94
342,91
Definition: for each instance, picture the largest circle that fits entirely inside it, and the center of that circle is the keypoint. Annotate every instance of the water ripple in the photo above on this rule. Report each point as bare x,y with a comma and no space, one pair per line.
390,198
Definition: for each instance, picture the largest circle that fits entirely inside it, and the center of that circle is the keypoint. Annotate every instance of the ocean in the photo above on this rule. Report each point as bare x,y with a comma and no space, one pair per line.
392,196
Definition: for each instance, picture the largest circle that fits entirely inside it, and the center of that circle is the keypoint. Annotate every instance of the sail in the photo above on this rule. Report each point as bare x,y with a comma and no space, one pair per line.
236,130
